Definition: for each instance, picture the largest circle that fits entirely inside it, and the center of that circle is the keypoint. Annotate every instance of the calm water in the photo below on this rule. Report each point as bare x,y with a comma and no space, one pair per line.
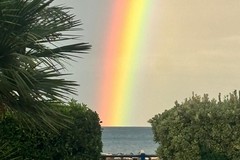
128,140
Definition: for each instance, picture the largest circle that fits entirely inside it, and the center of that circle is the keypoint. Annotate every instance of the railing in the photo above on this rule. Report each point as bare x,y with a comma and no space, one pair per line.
133,157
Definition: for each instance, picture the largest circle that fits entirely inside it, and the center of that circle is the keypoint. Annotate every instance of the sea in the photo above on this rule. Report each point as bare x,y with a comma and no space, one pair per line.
128,140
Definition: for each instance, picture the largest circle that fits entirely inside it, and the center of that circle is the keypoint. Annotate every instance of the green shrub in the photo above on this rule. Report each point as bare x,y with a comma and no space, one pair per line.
199,129
80,140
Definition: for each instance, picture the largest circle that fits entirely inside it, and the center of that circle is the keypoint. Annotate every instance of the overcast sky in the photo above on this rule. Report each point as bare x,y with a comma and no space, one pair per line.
191,45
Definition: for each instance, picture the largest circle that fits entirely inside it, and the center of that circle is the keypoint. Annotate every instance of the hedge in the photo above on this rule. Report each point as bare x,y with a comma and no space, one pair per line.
80,140
199,129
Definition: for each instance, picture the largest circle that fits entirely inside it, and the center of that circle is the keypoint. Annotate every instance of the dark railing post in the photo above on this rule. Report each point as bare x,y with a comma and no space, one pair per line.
142,154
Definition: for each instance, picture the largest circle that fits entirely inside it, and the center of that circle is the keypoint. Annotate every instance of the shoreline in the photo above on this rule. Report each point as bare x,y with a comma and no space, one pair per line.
108,156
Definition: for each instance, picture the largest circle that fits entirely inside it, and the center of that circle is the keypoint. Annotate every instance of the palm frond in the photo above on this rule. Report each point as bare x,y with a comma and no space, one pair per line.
31,81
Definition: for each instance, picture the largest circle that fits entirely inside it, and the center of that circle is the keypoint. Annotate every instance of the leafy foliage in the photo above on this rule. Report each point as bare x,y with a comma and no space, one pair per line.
199,128
81,140
6,152
30,62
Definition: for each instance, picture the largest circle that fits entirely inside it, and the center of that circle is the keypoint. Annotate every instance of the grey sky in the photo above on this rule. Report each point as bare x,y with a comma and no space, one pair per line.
194,45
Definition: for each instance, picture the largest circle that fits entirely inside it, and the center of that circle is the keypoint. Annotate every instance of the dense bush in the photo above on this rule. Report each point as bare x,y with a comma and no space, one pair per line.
80,140
199,129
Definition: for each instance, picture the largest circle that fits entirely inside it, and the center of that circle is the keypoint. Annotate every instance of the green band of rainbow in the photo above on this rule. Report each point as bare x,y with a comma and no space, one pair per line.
120,60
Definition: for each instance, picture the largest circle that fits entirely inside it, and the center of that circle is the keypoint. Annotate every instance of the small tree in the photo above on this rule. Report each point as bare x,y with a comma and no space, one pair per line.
199,128
79,141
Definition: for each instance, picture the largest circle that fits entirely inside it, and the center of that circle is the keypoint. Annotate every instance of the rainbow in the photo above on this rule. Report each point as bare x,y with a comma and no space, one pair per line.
120,60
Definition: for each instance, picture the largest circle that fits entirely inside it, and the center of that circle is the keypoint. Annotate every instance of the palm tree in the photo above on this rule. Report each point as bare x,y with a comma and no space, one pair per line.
31,81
